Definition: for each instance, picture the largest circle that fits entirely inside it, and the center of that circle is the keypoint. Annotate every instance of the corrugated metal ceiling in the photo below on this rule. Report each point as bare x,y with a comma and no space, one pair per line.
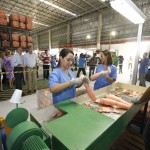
43,13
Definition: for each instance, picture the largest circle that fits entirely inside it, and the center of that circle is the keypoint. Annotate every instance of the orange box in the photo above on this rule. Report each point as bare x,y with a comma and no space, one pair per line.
14,24
15,37
5,44
2,14
15,44
29,39
3,21
23,44
29,26
22,38
14,17
22,25
29,20
22,18
4,36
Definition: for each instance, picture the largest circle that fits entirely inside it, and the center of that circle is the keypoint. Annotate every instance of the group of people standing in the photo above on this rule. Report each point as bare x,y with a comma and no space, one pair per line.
15,65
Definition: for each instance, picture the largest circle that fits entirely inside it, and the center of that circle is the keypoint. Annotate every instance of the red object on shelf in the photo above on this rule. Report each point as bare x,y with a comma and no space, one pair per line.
29,39
22,25
22,38
15,44
2,14
15,24
5,44
3,21
15,37
23,44
4,36
28,20
29,26
22,18
29,44
14,17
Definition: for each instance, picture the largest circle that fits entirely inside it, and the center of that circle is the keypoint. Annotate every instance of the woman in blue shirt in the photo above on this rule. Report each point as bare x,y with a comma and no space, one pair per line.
106,73
62,79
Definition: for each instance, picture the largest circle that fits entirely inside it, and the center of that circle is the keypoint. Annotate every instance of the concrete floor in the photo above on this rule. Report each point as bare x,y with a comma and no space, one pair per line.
31,100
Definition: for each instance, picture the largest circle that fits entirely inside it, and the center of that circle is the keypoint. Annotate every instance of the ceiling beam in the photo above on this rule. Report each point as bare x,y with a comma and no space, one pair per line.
76,5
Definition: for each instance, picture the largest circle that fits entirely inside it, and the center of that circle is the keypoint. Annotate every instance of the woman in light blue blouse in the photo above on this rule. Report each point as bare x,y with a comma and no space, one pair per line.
62,79
106,73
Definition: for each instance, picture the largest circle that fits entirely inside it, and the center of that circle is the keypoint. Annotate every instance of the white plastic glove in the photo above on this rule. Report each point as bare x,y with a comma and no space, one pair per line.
77,81
86,80
136,100
103,74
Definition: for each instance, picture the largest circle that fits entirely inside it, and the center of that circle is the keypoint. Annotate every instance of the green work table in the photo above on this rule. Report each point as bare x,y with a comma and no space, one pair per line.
82,128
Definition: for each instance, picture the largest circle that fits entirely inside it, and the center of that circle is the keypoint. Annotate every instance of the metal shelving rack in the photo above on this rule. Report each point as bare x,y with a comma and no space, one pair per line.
9,30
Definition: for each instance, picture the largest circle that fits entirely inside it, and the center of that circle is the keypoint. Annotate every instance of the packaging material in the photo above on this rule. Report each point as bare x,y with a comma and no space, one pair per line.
29,44
15,44
29,26
29,39
2,14
3,21
15,37
22,18
14,24
22,38
22,25
28,20
4,36
14,17
44,98
5,43
23,44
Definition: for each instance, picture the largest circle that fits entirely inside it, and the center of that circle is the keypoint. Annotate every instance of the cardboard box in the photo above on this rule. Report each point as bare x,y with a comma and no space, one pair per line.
22,18
14,17
14,24
22,38
3,21
15,37
15,44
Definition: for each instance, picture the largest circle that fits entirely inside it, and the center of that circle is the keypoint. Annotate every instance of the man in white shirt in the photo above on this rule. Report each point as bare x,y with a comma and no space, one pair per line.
30,60
17,63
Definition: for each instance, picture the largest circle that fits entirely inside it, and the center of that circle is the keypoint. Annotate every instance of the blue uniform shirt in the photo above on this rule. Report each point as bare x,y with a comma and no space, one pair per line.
101,81
58,76
143,68
82,62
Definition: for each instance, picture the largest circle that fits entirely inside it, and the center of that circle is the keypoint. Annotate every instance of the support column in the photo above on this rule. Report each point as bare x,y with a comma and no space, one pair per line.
135,70
99,31
68,33
37,43
49,40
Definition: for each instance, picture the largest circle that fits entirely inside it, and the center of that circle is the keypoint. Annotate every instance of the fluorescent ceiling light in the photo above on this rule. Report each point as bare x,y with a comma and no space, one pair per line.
129,10
40,23
88,37
113,33
55,6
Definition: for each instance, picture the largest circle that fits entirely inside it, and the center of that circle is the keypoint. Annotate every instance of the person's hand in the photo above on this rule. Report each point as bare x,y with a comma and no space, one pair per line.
136,100
103,74
77,81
